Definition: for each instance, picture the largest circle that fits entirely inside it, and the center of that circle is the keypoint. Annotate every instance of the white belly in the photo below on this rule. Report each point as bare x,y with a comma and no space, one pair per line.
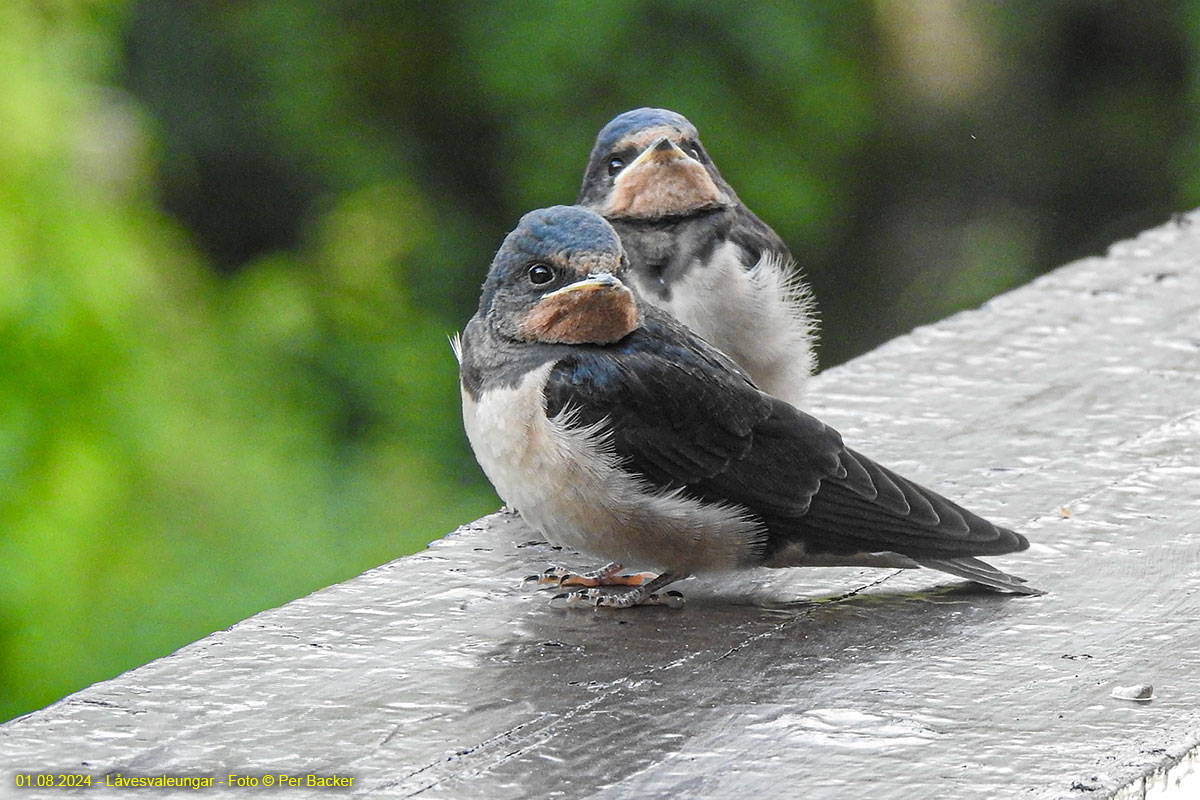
760,317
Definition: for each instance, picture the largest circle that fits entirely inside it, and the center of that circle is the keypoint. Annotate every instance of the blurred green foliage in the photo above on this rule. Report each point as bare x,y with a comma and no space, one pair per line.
234,235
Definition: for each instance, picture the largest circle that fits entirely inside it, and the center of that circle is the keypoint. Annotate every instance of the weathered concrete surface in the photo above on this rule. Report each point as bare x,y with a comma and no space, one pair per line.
1069,409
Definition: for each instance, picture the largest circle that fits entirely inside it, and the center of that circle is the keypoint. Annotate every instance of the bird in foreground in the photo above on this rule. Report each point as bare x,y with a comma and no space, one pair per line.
615,430
697,251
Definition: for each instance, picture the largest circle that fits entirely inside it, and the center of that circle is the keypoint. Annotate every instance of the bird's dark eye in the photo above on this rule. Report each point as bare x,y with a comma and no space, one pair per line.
539,274
615,165
693,150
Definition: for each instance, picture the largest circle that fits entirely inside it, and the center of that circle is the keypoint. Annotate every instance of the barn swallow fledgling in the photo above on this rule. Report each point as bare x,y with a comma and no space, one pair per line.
615,430
697,251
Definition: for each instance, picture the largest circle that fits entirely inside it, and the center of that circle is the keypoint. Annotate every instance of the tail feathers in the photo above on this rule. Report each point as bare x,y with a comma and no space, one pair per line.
980,572
967,567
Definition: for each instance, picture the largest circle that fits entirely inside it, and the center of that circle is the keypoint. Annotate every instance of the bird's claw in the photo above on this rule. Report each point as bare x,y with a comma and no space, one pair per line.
551,577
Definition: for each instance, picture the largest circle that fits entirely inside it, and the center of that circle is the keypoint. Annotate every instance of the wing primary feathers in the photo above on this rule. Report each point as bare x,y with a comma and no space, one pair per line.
856,475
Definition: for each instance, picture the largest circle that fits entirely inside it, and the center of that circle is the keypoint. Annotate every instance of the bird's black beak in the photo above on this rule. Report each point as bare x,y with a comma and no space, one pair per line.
662,152
593,282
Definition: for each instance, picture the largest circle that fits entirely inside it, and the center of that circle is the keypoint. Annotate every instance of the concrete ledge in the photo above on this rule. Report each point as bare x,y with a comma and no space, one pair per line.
1069,409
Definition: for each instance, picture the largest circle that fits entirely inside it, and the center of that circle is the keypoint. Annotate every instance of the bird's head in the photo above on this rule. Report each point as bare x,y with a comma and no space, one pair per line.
557,279
649,164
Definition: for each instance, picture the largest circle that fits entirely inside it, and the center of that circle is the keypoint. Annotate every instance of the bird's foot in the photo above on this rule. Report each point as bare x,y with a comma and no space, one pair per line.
608,575
642,594
597,598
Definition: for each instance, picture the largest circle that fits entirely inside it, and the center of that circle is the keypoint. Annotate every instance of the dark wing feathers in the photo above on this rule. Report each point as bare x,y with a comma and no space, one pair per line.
672,437
792,454
900,495
681,415
890,512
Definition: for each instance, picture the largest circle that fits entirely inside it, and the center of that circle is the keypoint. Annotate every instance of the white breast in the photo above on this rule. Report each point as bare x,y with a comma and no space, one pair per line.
566,484
760,317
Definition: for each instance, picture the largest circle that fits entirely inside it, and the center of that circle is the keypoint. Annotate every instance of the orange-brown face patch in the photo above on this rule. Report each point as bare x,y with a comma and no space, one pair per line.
663,183
589,315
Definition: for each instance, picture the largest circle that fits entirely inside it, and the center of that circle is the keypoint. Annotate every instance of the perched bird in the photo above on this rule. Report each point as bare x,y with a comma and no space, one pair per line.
696,250
615,430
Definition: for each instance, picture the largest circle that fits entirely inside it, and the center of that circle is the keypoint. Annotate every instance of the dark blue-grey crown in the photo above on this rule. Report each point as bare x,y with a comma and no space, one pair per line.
560,230
638,119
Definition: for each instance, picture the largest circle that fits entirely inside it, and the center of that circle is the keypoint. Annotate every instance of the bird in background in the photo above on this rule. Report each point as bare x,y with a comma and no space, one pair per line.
615,430
698,252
